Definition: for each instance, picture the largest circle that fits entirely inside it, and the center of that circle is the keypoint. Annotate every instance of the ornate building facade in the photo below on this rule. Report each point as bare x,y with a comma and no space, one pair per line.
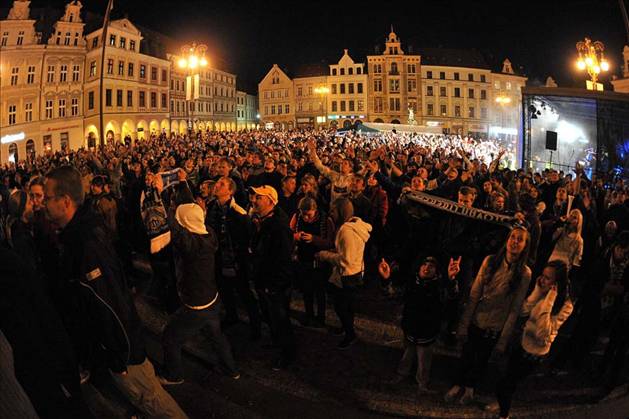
348,92
277,100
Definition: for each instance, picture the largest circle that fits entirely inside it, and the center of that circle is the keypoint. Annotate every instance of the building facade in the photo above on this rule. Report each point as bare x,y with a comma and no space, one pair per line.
348,97
394,83
136,87
277,100
505,110
246,111
41,81
309,105
621,85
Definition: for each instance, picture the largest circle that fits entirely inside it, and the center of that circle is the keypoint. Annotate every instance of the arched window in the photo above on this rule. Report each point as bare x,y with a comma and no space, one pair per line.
30,149
13,155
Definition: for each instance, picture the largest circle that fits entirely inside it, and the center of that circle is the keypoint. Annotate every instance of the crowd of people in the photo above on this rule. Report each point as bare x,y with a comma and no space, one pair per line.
255,218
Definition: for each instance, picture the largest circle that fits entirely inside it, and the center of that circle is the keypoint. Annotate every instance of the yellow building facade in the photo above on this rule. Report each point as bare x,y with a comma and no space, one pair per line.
309,105
348,97
277,100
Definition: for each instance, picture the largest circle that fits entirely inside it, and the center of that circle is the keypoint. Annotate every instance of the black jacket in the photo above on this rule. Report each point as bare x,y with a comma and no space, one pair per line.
271,248
194,264
100,313
234,231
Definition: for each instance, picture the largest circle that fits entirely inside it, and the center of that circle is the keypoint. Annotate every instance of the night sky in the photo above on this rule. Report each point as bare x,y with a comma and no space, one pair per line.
247,37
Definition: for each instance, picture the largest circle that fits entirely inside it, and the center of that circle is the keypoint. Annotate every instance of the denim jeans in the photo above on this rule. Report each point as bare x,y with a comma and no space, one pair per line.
274,305
423,356
143,390
185,323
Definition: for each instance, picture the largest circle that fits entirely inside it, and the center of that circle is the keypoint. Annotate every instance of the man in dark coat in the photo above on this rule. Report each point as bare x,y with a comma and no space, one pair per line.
272,246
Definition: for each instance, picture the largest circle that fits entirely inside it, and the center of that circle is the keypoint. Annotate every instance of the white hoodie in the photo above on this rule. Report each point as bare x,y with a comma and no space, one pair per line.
349,248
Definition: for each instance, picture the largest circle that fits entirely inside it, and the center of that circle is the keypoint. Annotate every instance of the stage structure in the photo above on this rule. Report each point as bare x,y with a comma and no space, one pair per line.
563,126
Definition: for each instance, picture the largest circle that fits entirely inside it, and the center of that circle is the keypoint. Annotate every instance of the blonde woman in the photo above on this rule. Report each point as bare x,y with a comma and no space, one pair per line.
568,246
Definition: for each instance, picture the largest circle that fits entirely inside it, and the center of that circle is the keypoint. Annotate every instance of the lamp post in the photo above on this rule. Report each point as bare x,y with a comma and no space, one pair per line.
591,59
323,91
192,58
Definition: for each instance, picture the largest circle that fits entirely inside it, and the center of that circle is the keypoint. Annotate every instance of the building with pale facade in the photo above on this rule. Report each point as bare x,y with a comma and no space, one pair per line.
505,110
348,97
394,83
41,81
246,111
621,85
309,105
277,100
136,87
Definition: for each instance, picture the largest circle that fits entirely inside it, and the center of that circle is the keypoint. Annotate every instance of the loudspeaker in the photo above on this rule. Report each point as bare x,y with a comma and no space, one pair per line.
551,140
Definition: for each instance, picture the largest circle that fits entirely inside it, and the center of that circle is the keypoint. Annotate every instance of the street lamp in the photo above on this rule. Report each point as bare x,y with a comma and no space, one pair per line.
192,58
323,91
591,59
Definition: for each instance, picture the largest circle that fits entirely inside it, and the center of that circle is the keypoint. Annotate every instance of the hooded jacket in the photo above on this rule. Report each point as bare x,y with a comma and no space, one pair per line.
349,247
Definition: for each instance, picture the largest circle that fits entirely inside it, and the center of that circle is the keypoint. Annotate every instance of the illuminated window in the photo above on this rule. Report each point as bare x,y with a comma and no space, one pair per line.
62,108
49,109
30,77
75,106
14,75
12,113
63,74
28,112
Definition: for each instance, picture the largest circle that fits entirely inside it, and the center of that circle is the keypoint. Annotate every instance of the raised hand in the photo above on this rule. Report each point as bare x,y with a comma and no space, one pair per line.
454,267
384,269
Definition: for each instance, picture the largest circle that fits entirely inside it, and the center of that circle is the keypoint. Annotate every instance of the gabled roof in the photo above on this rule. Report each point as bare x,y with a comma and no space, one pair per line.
275,70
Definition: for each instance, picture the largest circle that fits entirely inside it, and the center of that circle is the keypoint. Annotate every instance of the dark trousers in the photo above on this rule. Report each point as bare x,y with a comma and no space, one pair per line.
163,285
616,352
313,282
344,300
229,288
476,353
274,305
518,367
185,323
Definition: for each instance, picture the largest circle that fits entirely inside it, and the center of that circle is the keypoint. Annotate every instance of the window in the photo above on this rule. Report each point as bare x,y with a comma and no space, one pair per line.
28,112
442,91
429,74
123,42
107,97
470,77
286,109
483,94
394,104
30,149
377,68
63,74
457,111
47,143
456,76
62,108
350,71
482,78
90,100
378,105
272,109
411,85
110,66
457,92
121,68
360,106
394,69
5,39
93,69
483,113
153,100
164,100
94,42
342,88
359,88
351,106
299,91
471,112
49,109
66,41
497,84
377,85
12,113
142,71
430,109
411,68
112,40
394,86
64,140
470,93
130,70
14,74
164,76
429,91
444,110
343,109
13,152
153,73
334,71
119,97
75,106
334,106
442,75
20,37
350,88
142,99
130,98
359,70
342,72
76,73
132,45
30,77
50,78
508,85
